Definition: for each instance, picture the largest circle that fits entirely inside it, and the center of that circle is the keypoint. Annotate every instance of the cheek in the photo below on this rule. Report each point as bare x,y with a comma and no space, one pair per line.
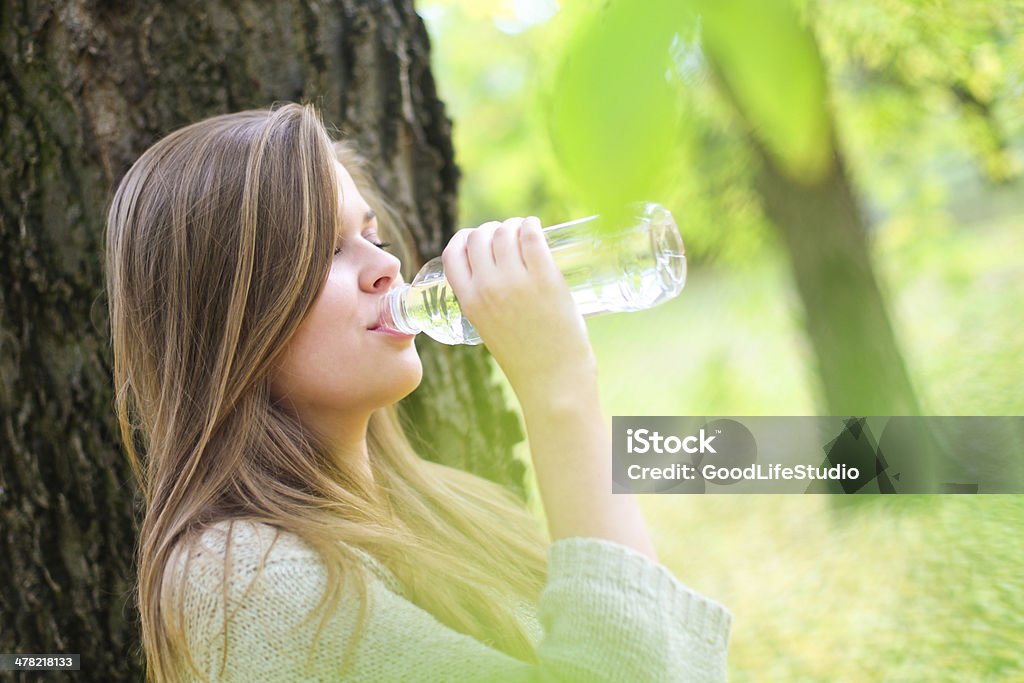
331,314
336,310
321,348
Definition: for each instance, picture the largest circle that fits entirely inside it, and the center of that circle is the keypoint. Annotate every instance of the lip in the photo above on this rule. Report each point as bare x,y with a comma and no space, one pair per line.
391,333
381,324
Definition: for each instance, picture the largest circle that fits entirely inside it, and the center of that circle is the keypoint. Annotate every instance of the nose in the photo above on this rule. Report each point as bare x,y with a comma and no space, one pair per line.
380,272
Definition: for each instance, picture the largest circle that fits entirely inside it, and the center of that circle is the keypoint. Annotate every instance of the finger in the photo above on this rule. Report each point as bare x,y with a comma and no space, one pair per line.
534,247
505,245
455,260
478,248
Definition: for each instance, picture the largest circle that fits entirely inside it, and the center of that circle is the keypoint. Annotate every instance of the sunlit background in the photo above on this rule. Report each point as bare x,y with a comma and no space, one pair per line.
926,101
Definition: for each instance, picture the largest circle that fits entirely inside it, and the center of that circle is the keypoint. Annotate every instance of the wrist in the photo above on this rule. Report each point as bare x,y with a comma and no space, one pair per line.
566,392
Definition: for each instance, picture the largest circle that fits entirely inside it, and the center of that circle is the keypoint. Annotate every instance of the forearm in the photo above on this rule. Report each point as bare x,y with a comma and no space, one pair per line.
571,449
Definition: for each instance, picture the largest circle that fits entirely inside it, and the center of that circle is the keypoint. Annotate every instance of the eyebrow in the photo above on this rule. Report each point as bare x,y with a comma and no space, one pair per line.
367,217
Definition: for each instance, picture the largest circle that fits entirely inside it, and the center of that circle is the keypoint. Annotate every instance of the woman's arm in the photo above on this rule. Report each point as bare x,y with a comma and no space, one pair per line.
571,450
510,289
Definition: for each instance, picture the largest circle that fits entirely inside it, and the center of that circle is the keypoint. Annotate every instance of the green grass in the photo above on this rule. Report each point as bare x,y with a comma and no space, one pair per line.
957,300
884,592
730,344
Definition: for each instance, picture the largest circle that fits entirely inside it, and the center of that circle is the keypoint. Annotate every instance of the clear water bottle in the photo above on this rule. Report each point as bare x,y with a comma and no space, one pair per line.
609,269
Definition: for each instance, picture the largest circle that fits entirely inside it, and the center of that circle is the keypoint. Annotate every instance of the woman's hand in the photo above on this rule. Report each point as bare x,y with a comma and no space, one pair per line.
508,286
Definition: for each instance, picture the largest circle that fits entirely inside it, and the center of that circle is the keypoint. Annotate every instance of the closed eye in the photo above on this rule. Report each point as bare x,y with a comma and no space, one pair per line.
380,245
371,237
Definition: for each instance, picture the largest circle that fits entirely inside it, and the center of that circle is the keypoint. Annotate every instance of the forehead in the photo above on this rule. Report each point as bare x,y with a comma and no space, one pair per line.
353,206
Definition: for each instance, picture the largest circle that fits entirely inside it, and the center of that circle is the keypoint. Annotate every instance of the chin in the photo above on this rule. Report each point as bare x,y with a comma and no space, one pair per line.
408,378
416,377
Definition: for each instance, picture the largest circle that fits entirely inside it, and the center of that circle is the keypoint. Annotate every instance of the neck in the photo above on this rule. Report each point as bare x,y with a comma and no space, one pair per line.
345,438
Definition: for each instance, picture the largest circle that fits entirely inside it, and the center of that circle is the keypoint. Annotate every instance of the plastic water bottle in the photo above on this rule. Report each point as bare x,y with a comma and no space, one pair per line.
629,268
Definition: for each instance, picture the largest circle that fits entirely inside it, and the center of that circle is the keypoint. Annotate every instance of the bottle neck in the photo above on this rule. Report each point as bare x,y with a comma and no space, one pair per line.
393,314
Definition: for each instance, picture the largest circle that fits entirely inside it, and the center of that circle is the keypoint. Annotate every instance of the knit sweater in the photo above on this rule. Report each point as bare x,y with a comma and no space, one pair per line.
607,613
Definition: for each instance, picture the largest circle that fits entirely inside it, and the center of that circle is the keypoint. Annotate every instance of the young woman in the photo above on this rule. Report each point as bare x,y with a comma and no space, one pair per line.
290,532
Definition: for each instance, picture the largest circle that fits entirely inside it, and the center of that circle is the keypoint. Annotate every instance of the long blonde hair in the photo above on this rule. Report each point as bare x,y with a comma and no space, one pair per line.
219,239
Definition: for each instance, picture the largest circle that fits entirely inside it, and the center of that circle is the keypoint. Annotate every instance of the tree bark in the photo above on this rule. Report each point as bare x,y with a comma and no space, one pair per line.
859,362
86,87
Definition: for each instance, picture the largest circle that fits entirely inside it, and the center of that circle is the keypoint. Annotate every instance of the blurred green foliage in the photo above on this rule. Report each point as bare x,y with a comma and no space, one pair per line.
926,99
773,70
611,105
921,92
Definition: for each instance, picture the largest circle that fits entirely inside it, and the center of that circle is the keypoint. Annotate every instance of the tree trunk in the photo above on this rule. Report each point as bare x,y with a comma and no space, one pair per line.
859,361
826,239
87,86
861,369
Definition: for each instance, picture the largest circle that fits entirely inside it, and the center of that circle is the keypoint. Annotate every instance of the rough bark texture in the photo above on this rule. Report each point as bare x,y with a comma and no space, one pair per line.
86,87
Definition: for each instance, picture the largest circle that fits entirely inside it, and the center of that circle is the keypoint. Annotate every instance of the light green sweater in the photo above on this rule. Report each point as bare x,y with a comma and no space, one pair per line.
607,613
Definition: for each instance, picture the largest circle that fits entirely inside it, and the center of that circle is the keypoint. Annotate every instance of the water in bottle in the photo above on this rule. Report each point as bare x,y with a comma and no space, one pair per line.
626,268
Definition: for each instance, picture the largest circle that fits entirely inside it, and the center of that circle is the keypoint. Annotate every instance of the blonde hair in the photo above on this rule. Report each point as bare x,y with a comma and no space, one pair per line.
219,239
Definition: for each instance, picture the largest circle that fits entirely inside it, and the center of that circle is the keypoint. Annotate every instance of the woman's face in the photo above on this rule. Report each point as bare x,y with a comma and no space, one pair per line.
337,368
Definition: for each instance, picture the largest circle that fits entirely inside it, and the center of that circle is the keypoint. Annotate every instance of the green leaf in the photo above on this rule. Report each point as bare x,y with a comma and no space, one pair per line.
772,68
613,105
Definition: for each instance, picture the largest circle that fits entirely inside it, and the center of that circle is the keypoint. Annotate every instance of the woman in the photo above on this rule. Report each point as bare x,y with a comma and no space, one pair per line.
290,532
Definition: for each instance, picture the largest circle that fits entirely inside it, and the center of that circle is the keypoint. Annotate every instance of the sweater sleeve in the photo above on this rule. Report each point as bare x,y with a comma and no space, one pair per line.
608,614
